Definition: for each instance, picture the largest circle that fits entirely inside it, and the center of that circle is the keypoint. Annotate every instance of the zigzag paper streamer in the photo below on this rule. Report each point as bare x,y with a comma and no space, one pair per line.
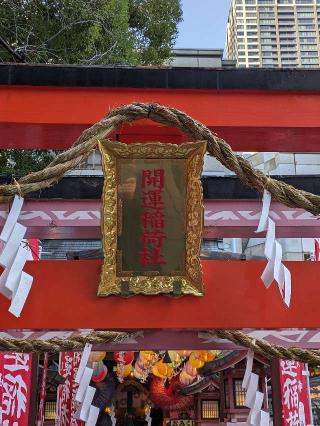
148,418
85,394
113,416
275,269
15,284
254,398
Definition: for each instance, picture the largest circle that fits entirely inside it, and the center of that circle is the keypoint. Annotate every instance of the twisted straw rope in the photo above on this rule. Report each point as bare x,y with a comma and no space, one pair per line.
77,343
219,149
56,344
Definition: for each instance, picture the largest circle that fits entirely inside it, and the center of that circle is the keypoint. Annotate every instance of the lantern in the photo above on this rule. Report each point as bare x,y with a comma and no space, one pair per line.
139,363
195,361
161,370
124,370
190,370
215,353
205,356
123,357
175,358
138,369
146,356
185,379
137,375
100,372
96,356
184,353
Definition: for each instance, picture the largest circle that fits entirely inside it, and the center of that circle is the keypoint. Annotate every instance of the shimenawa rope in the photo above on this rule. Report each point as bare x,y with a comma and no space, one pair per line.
219,149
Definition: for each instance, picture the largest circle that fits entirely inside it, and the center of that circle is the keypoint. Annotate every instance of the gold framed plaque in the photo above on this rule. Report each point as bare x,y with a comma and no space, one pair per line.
152,218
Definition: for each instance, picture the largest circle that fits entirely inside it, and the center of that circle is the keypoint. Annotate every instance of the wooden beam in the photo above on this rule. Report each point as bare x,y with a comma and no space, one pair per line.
52,117
64,296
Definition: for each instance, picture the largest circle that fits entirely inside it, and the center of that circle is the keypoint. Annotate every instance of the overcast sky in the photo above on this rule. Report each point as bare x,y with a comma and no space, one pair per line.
204,24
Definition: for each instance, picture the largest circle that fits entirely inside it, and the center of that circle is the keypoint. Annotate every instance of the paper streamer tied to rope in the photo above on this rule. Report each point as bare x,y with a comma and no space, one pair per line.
254,398
113,416
15,284
87,412
275,269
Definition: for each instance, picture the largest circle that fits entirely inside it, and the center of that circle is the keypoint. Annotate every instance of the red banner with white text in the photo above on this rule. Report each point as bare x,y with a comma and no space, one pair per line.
294,393
66,405
15,388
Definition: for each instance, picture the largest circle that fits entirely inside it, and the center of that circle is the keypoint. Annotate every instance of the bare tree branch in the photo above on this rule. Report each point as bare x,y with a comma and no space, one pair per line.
10,50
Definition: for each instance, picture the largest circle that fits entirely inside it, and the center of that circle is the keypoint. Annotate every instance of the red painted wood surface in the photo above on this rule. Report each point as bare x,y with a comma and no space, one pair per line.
47,117
64,297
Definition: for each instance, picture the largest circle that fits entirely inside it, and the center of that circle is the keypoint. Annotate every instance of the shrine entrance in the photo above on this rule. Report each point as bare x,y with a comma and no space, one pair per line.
131,403
119,361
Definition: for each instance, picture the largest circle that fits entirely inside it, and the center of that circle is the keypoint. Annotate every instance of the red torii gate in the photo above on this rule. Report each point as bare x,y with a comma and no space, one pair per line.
52,115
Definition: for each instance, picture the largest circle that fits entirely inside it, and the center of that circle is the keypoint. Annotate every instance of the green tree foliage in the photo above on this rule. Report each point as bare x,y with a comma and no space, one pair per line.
19,162
126,32
87,32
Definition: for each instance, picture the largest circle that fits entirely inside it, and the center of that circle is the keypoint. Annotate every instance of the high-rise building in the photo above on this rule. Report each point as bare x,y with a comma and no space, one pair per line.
274,33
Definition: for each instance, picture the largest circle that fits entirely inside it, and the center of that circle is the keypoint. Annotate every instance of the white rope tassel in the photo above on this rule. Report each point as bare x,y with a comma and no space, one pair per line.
15,284
275,269
254,398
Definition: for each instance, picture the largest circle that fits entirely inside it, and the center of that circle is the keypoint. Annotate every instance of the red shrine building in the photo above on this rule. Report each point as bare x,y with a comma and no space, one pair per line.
269,111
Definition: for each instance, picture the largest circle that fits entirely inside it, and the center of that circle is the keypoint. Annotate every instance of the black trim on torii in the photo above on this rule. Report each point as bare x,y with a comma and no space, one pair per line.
160,78
214,187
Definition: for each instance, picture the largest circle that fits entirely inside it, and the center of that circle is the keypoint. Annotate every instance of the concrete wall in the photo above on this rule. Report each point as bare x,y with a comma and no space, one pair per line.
288,164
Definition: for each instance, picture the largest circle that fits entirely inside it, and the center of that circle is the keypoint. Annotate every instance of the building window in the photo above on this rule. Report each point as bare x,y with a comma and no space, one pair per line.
307,33
309,60
308,47
305,21
266,15
268,47
266,21
309,53
307,40
239,394
210,409
50,411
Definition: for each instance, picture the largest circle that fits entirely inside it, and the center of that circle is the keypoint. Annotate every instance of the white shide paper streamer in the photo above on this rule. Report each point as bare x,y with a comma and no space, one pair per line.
113,416
254,398
15,284
275,269
85,393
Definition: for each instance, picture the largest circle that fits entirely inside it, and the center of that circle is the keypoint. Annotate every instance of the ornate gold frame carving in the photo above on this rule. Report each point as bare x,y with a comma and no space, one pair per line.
191,281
